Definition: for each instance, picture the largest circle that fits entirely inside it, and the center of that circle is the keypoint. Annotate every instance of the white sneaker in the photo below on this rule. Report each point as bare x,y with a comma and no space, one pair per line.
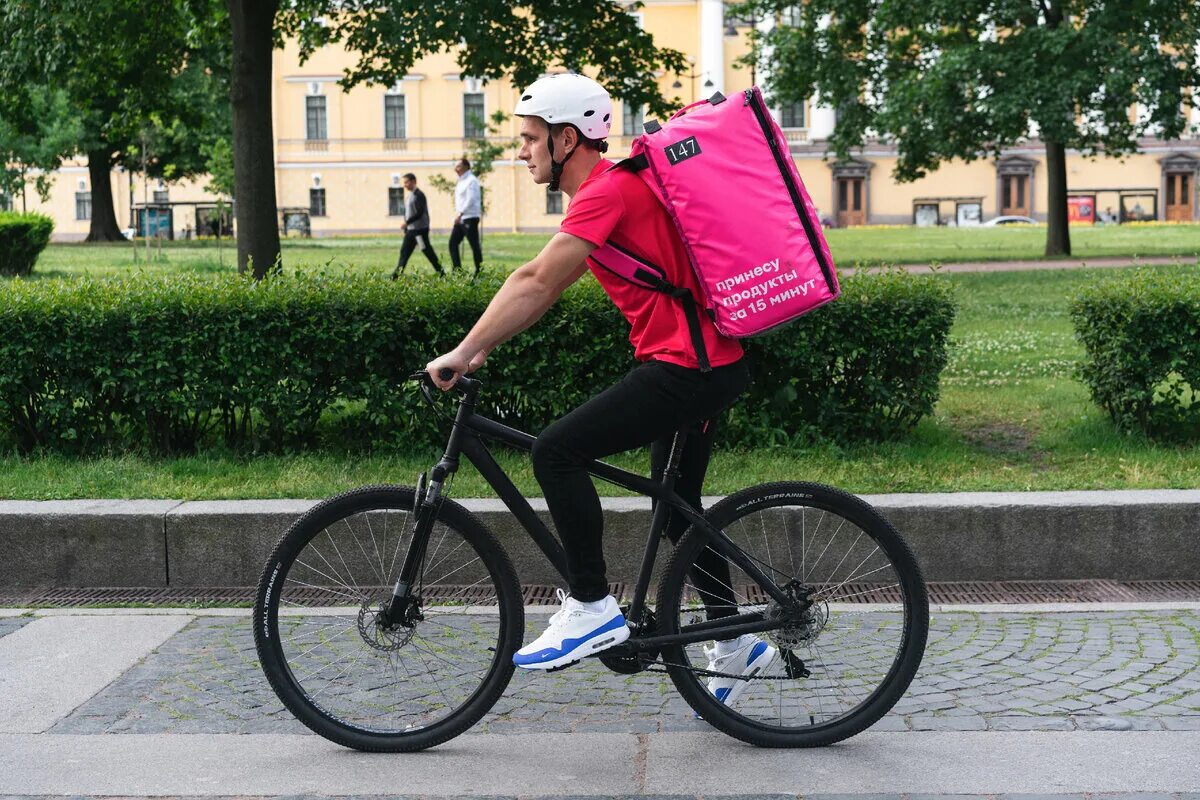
574,632
751,657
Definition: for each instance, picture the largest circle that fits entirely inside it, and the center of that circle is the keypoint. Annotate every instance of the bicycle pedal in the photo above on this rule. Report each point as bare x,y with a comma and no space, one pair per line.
561,668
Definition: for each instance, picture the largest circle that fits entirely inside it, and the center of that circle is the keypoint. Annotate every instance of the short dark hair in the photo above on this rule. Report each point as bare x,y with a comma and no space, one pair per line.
466,164
598,145
408,176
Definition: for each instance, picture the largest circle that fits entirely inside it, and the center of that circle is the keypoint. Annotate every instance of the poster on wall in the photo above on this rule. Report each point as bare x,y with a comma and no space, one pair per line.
925,215
969,214
1081,210
1139,207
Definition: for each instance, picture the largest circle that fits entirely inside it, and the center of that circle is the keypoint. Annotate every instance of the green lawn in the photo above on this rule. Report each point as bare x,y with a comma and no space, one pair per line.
505,250
1011,417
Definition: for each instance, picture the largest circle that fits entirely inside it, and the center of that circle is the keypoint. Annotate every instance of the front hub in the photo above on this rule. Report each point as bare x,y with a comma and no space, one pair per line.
377,629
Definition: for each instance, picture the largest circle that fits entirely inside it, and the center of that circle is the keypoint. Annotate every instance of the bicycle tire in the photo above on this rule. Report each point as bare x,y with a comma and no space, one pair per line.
827,500
274,582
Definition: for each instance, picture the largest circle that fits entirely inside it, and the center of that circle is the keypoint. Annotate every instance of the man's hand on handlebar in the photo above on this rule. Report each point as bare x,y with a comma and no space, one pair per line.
446,369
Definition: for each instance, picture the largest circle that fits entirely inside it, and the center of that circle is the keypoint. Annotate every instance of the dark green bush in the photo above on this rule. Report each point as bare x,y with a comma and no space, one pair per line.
1141,334
865,367
177,364
23,237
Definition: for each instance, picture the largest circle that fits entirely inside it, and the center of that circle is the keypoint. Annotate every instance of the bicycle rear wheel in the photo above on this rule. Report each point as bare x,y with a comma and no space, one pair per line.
357,682
843,663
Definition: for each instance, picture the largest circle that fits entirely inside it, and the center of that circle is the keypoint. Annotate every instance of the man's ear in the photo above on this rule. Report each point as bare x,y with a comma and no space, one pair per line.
570,138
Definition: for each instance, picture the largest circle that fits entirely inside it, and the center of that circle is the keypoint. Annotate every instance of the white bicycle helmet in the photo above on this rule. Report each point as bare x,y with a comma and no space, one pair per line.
568,98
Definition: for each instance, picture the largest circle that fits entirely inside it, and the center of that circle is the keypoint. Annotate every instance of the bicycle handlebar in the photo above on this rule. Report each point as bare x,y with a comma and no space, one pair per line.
463,385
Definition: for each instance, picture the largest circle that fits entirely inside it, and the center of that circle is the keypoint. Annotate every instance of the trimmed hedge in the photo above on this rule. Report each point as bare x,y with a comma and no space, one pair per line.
23,237
180,363
1141,335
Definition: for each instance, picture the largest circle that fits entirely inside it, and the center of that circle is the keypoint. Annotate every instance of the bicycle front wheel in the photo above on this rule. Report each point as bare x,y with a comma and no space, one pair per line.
844,662
374,687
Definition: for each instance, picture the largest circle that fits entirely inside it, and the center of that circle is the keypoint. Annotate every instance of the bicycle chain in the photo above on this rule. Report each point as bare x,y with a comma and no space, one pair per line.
791,662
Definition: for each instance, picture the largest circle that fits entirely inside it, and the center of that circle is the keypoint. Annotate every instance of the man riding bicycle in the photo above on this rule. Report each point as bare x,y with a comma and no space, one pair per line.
565,120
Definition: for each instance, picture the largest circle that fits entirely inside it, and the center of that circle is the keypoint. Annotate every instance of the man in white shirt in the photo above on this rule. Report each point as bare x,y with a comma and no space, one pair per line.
468,202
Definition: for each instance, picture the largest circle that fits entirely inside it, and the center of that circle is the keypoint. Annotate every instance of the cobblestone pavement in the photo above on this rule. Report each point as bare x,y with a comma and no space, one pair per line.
1116,670
10,624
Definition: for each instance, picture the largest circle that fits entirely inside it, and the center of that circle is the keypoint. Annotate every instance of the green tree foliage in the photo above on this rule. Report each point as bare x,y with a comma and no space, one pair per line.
35,131
126,67
490,39
964,79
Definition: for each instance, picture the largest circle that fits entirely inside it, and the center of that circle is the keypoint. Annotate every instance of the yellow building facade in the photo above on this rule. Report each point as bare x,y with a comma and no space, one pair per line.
339,156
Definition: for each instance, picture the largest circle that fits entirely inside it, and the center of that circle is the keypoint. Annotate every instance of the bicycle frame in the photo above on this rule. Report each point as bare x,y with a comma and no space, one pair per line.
466,439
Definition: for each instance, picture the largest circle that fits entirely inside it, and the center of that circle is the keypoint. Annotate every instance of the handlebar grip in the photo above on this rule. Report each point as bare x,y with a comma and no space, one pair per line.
445,373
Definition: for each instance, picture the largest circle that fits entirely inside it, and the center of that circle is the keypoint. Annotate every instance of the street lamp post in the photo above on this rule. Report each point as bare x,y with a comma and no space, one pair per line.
731,30
691,76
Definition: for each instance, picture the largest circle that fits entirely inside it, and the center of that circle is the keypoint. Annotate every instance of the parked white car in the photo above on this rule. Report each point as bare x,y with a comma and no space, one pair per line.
1009,220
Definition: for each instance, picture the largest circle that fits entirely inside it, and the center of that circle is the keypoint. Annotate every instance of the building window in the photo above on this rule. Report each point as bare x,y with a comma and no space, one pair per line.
162,196
791,115
315,108
316,202
553,202
83,205
5,201
395,201
790,17
393,116
633,120
473,119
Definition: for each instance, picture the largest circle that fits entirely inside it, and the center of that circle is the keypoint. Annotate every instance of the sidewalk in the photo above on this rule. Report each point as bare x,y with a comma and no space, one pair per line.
147,703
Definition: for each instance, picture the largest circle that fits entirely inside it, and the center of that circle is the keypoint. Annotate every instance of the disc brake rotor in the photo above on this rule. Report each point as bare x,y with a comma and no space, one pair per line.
378,637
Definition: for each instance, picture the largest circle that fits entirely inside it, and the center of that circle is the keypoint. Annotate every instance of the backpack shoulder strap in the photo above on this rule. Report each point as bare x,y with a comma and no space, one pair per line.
624,264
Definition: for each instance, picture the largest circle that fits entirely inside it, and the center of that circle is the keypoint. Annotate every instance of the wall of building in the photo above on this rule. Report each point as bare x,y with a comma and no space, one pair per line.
356,163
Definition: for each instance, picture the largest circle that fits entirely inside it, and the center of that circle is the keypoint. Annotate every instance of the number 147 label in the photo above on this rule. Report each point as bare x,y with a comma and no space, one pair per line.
682,151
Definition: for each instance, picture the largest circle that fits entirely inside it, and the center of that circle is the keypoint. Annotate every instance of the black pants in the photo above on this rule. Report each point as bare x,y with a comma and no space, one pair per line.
647,407
411,240
470,229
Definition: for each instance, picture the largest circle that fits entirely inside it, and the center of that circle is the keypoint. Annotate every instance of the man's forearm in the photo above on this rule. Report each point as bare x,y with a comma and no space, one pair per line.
521,301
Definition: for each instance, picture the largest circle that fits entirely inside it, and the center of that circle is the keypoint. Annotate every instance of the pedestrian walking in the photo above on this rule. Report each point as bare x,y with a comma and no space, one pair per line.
416,227
468,202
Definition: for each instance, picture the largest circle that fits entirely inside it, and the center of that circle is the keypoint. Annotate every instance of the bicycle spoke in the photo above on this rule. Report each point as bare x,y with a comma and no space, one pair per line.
367,558
846,658
357,674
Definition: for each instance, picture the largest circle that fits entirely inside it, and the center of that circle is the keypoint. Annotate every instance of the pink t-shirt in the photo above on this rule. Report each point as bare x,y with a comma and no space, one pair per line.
615,205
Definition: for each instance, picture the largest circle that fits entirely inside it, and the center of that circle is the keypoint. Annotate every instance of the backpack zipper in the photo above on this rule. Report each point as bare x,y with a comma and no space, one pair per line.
755,102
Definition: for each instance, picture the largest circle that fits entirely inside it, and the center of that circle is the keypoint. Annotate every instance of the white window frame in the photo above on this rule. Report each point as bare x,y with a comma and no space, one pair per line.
403,115
482,116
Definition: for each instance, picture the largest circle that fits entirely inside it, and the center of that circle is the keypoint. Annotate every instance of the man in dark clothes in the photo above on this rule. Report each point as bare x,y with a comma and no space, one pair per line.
416,227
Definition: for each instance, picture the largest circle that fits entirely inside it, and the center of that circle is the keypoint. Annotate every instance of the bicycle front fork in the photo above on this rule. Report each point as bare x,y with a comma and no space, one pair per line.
404,608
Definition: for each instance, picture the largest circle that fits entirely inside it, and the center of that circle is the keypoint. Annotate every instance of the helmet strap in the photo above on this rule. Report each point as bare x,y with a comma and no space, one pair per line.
556,167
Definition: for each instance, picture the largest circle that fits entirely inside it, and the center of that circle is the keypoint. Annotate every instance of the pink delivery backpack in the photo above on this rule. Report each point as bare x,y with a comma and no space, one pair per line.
722,169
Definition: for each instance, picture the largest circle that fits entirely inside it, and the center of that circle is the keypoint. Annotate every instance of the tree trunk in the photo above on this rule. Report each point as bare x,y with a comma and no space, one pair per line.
104,226
1058,234
256,214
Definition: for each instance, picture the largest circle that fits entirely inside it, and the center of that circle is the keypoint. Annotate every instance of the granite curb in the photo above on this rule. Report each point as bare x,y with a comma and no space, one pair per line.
970,536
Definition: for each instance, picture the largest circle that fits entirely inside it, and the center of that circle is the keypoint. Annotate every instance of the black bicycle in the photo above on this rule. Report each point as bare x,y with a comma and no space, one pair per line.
387,617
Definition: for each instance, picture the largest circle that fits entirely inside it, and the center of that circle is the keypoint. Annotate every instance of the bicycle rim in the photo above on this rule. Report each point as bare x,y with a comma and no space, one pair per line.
842,664
356,681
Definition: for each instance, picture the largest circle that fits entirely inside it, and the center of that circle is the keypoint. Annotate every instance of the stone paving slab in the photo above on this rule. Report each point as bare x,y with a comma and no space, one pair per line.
899,796
1082,671
52,665
10,624
933,763
602,765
